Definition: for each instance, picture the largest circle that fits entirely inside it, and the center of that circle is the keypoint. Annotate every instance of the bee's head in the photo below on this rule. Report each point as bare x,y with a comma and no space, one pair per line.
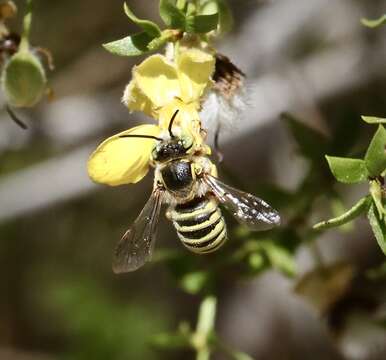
176,146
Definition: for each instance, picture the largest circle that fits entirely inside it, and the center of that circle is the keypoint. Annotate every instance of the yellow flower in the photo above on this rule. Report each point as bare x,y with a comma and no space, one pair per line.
159,86
119,161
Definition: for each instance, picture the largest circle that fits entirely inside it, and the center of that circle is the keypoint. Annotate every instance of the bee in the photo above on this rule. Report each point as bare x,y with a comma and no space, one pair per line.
186,180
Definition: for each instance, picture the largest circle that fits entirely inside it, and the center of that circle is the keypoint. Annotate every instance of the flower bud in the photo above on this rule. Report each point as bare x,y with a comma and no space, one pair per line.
23,80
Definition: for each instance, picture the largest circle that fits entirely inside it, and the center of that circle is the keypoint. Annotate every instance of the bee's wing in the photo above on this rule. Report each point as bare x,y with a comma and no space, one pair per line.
248,209
136,246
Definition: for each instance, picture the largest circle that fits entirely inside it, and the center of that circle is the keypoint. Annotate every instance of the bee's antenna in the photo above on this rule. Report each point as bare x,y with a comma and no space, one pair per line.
171,123
142,136
14,117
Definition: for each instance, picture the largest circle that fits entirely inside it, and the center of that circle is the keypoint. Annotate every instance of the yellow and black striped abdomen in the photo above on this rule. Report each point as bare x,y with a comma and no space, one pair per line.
199,224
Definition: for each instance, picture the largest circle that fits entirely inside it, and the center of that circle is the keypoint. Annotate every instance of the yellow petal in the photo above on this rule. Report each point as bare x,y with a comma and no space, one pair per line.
135,100
187,117
195,68
157,79
119,160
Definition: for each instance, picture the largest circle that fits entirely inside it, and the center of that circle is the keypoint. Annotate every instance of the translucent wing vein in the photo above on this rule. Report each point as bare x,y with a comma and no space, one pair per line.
248,209
136,246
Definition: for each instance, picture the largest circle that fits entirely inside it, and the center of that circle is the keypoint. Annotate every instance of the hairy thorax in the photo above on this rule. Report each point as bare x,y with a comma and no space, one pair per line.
181,178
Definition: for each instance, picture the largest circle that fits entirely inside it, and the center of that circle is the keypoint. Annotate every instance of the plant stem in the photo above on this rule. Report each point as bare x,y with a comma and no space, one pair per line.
24,44
203,354
205,327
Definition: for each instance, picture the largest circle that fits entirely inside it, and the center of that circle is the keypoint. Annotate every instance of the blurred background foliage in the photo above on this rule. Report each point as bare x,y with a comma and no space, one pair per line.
313,69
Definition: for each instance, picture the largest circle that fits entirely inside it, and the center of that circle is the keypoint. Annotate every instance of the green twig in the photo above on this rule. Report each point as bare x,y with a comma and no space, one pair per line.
205,328
24,44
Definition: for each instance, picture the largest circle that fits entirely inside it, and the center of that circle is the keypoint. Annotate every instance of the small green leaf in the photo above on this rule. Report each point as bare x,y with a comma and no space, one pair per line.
201,24
374,120
148,26
173,17
133,45
256,261
374,23
378,226
361,206
225,22
194,282
346,170
311,143
375,157
280,258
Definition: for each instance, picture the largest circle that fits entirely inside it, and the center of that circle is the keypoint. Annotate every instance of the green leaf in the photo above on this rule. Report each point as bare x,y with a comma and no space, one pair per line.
361,206
374,120
173,17
256,261
375,157
148,26
194,282
133,45
374,23
311,143
280,258
225,22
201,24
346,170
378,226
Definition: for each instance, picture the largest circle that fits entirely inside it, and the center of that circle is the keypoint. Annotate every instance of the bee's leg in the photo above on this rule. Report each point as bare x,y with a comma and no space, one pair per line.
219,154
168,213
15,118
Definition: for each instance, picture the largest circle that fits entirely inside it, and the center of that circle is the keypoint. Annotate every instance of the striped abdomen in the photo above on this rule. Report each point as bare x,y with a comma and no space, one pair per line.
199,224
